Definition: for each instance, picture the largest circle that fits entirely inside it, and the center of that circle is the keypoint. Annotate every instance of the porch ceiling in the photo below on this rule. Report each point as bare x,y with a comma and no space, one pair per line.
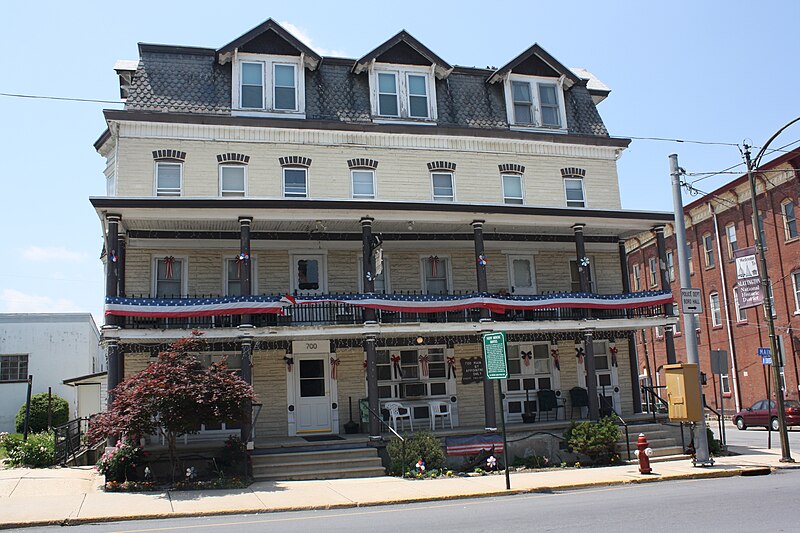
330,216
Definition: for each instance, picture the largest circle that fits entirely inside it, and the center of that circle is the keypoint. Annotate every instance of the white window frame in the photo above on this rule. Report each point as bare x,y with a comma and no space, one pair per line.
535,82
670,265
785,218
297,255
515,200
637,282
676,311
795,291
253,273
387,278
283,181
184,259
771,295
448,199
157,191
733,243
653,265
708,249
726,384
401,73
592,278
353,184
714,311
222,191
583,191
268,63
448,271
741,314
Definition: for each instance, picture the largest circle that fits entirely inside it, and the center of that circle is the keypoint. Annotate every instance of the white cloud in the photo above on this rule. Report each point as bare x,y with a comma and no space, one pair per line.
308,41
19,302
51,253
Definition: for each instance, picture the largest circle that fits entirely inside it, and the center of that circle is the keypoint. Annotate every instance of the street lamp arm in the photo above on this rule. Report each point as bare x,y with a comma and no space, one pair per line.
760,154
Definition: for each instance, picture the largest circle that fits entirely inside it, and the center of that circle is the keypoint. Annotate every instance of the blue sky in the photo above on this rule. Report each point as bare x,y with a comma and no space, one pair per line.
708,71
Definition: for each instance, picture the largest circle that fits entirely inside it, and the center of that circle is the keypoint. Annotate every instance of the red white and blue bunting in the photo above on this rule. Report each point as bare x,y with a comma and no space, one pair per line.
409,303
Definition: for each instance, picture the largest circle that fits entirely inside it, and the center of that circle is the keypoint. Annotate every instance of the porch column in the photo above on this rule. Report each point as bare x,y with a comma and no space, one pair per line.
112,273
368,268
113,367
121,255
247,376
591,375
669,340
490,417
372,388
245,262
580,250
633,357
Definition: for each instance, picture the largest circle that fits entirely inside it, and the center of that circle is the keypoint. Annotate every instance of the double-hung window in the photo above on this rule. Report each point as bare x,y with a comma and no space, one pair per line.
403,92
789,219
671,265
689,257
232,180
708,249
575,273
771,301
653,271
169,176
730,230
442,183
741,314
233,276
435,271
716,313
535,102
363,183
796,290
169,277
637,279
295,182
573,190
13,367
512,189
269,84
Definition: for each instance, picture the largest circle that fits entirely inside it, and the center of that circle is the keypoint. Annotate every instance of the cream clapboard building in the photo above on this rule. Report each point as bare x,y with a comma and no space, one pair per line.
345,229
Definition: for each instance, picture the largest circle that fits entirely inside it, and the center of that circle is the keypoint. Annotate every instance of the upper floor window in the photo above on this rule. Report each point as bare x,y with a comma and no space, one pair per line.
730,230
637,278
671,265
689,257
233,276
714,309
381,282
442,183
363,183
232,180
169,178
574,274
653,271
573,189
169,277
269,84
436,274
295,182
796,290
403,92
771,301
535,102
741,314
13,367
512,189
789,220
708,249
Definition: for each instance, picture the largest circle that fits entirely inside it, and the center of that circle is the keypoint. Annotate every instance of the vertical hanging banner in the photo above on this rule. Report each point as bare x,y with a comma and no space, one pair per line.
748,284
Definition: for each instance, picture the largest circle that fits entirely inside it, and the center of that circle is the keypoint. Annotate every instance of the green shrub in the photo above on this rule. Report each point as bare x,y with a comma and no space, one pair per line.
38,422
119,463
421,446
37,452
534,461
714,445
597,440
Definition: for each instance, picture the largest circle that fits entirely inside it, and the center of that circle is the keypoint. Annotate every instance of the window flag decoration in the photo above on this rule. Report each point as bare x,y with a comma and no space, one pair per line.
451,367
169,266
434,262
556,359
335,362
613,350
423,363
526,357
398,372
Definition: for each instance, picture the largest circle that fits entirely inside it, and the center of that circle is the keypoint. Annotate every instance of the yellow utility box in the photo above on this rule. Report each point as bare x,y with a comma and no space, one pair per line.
683,392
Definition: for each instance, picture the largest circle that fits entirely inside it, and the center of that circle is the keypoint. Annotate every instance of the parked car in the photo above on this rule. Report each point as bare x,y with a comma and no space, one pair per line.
759,415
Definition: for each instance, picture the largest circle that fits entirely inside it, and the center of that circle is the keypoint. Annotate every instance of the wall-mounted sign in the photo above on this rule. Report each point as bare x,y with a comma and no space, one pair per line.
748,284
472,370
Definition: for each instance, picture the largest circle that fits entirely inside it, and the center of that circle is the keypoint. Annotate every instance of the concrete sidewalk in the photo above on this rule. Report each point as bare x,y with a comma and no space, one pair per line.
74,495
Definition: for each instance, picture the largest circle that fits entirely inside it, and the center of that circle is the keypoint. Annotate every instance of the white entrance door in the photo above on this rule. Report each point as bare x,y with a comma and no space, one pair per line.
312,394
521,274
607,375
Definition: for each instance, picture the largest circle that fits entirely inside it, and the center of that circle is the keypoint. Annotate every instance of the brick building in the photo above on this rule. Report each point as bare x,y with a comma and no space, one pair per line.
717,224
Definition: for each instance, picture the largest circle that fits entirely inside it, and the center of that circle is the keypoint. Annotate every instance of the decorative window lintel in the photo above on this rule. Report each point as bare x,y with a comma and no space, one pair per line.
295,161
441,165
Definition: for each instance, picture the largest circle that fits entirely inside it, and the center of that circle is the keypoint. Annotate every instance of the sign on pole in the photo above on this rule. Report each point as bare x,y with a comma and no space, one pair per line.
494,350
691,301
719,362
766,356
748,284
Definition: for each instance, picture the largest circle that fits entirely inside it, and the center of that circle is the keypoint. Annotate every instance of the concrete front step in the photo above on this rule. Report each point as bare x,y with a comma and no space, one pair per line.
322,464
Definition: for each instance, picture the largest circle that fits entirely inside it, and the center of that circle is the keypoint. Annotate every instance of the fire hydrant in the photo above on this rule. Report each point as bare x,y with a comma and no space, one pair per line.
643,452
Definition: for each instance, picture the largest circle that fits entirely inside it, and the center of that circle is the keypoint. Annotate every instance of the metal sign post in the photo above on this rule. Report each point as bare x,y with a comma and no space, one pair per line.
766,360
494,349
719,366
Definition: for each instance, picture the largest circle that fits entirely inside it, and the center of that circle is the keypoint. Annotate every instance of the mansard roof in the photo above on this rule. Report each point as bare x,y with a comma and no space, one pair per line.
269,37
404,49
534,61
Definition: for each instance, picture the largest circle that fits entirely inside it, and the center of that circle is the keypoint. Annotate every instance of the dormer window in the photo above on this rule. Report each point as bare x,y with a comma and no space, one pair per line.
403,92
535,102
269,85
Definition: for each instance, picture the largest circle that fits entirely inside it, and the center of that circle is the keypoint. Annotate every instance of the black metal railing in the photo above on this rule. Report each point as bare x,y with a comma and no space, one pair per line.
654,403
335,313
69,439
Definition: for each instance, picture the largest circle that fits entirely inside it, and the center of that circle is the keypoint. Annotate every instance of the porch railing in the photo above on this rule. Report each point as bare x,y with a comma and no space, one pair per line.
69,439
337,313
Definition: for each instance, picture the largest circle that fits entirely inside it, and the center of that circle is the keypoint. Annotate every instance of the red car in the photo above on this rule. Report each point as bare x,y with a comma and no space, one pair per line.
758,415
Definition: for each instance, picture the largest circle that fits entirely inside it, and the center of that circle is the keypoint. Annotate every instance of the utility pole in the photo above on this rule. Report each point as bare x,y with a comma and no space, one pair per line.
763,274
702,457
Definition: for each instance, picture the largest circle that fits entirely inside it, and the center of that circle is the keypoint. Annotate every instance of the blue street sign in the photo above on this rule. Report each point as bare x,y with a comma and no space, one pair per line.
764,352
766,360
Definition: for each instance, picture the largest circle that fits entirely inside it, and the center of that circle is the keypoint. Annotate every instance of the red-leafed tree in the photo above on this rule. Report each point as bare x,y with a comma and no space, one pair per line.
172,397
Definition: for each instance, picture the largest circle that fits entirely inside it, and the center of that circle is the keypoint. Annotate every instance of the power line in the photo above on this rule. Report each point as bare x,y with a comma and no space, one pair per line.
60,98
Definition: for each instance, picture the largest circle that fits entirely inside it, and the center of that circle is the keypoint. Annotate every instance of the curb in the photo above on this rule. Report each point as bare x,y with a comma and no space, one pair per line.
710,474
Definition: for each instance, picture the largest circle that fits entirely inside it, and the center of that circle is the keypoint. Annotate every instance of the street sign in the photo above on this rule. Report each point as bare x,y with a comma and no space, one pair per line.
748,285
766,356
494,351
719,362
691,301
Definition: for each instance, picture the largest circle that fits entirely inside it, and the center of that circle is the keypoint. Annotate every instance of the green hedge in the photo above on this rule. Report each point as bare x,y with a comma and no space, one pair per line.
38,422
597,440
421,446
37,452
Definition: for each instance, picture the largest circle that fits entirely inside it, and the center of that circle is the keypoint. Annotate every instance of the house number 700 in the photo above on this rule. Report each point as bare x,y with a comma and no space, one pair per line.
311,346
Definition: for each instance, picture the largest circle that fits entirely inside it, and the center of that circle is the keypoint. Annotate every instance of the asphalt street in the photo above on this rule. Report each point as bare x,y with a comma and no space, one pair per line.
761,503
757,438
